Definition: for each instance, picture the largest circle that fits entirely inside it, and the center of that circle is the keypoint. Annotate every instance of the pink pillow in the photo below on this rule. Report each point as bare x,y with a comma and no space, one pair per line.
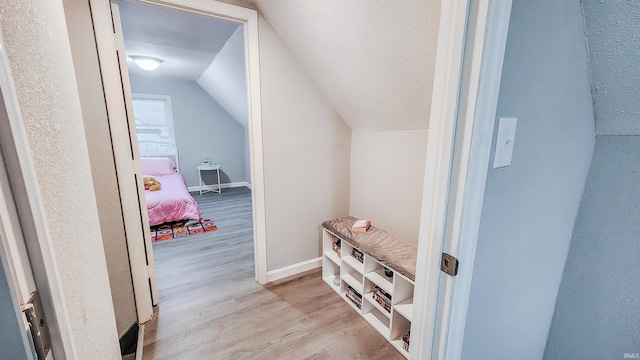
158,166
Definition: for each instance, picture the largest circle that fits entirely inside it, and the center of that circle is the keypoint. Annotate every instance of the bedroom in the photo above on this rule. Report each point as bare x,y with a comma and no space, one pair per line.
183,120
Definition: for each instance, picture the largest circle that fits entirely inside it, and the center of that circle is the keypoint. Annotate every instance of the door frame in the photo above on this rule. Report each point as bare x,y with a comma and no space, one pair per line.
480,123
106,44
248,18
471,44
33,220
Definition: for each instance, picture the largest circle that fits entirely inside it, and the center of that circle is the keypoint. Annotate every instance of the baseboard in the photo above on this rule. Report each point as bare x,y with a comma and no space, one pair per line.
223,186
294,269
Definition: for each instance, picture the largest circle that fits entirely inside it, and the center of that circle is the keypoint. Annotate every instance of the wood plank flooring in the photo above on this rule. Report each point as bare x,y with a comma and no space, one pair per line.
212,308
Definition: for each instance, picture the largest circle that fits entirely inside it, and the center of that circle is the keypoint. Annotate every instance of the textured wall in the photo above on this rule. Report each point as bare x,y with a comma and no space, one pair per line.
306,156
85,59
387,174
37,44
202,129
599,300
530,207
373,60
613,33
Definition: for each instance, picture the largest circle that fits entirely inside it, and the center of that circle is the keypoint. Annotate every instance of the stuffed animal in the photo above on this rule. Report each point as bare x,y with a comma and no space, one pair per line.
151,184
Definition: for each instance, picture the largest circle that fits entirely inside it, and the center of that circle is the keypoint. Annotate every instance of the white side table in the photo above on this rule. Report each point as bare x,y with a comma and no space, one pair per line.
202,168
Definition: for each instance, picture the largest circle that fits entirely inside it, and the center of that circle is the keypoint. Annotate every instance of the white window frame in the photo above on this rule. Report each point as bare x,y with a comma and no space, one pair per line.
168,111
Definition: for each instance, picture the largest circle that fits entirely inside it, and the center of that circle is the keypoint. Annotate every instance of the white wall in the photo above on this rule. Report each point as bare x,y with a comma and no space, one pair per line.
225,78
531,206
202,129
96,126
387,173
38,48
373,60
306,156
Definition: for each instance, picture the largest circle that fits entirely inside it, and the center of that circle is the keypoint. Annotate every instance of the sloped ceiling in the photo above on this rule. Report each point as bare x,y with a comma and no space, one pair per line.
186,42
374,60
225,81
613,36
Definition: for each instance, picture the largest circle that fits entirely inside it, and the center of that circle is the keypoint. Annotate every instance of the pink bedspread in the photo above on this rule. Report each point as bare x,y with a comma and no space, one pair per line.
171,203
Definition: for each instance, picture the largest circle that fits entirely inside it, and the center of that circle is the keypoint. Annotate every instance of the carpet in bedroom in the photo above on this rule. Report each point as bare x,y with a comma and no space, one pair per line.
180,229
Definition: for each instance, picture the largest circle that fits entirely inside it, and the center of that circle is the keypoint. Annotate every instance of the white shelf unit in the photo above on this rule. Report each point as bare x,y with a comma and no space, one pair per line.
363,277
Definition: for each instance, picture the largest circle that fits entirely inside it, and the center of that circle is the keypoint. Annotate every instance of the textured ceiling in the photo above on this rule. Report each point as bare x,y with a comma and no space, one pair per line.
613,36
186,42
374,60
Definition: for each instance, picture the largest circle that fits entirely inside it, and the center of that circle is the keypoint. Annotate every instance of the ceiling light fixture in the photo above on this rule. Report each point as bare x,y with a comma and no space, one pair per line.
146,62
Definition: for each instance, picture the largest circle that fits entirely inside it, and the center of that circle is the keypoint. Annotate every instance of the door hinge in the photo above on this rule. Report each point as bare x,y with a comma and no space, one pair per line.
37,325
449,264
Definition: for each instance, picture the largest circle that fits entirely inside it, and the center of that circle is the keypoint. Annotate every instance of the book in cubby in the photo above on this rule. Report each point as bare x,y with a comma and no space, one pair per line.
336,244
382,297
406,338
354,296
359,255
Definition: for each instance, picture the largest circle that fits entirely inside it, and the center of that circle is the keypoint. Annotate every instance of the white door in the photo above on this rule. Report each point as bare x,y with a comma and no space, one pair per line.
113,67
135,150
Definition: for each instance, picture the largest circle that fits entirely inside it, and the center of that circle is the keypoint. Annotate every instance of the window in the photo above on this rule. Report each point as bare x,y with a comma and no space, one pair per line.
154,125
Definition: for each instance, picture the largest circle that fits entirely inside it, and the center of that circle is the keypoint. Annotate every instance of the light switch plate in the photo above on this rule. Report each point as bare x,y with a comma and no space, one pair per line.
504,142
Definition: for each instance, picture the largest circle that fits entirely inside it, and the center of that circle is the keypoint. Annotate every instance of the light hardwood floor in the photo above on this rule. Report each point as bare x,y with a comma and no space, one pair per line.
212,308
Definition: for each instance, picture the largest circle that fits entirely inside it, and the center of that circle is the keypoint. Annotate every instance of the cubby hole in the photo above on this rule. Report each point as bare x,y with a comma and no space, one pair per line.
377,319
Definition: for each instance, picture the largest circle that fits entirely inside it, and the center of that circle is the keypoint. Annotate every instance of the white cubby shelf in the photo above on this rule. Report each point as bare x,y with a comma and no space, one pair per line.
364,277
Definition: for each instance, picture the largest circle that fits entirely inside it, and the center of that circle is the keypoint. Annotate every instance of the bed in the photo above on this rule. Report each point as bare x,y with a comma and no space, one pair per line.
173,201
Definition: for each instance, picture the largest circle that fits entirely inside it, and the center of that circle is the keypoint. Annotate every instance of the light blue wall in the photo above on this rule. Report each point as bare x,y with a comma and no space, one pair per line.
530,207
202,128
598,308
11,344
613,32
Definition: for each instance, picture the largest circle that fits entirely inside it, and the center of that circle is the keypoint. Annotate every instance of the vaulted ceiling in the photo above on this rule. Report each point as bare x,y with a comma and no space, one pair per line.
373,60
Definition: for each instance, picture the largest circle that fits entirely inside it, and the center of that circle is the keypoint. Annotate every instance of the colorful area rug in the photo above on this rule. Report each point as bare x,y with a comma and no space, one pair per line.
179,229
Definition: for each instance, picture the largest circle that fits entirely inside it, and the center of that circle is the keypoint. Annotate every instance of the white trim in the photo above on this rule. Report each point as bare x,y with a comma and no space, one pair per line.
222,186
444,105
284,272
487,79
458,185
14,258
33,215
140,342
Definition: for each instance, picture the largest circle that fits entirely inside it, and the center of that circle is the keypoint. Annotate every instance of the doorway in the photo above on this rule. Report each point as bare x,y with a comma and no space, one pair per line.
124,153
190,114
